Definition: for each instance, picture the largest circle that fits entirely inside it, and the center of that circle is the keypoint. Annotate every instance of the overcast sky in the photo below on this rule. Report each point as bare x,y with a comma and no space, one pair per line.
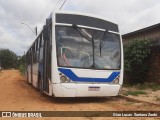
130,15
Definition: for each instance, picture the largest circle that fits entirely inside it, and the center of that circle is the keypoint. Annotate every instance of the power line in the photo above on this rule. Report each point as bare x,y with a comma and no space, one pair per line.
62,4
59,1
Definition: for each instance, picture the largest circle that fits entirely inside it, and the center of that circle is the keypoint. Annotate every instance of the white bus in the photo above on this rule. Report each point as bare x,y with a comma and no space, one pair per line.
76,55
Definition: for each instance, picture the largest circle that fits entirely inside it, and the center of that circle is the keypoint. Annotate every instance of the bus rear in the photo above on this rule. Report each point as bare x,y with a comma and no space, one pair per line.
88,61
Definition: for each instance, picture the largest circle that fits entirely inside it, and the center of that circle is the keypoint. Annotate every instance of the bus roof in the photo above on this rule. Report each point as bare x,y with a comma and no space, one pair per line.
84,20
84,14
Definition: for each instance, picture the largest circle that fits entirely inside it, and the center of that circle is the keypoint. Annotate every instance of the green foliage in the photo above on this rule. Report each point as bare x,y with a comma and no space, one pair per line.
8,59
135,60
135,93
136,53
20,60
21,64
22,68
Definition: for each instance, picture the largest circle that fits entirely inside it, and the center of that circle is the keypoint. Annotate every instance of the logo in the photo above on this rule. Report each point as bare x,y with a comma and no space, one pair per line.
6,114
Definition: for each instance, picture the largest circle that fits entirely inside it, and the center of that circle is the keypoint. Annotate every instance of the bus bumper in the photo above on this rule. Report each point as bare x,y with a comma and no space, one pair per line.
85,90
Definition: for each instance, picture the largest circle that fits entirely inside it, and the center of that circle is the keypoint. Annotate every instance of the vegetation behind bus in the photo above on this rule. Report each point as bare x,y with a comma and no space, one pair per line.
136,61
22,65
9,60
22,69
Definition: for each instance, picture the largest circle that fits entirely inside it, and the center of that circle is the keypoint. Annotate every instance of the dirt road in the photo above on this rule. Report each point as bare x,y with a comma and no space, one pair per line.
16,94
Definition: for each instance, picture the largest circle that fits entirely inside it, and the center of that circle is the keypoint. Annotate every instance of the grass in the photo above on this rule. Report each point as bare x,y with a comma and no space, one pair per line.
135,93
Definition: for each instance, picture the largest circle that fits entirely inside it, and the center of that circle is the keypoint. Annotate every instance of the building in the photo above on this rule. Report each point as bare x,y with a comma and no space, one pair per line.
151,33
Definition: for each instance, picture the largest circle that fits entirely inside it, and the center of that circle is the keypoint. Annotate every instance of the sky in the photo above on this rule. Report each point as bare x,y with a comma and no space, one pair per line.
130,15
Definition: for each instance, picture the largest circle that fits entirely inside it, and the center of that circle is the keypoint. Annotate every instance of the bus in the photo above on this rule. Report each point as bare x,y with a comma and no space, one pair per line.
76,55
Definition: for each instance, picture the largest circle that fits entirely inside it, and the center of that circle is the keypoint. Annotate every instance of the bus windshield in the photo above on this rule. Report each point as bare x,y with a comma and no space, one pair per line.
87,48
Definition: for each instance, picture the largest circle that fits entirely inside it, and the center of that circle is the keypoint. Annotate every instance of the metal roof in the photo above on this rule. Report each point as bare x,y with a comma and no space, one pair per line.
142,30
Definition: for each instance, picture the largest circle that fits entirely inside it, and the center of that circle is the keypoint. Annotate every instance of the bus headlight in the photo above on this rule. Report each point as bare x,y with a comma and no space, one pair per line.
116,81
64,79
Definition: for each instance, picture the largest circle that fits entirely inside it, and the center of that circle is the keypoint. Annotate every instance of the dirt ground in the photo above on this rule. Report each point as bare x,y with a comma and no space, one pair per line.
149,96
16,94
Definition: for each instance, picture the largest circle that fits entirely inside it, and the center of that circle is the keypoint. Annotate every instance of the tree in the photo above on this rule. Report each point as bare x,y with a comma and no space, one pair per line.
8,59
135,60
20,60
21,64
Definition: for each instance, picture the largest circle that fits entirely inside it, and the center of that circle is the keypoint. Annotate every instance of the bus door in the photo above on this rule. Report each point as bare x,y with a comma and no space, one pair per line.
47,58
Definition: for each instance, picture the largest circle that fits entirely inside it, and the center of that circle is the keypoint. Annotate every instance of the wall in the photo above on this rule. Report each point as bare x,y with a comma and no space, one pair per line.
154,65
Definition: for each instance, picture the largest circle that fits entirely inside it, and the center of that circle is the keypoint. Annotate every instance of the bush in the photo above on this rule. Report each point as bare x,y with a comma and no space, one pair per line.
135,60
22,69
8,59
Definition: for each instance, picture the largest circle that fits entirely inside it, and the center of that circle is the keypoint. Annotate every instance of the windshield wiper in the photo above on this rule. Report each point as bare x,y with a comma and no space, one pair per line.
101,42
87,37
82,32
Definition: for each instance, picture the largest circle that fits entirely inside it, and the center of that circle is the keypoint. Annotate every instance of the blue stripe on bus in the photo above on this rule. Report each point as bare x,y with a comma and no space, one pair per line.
75,78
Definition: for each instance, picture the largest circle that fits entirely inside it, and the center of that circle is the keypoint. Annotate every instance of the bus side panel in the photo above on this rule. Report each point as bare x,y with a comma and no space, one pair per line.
29,73
35,75
57,90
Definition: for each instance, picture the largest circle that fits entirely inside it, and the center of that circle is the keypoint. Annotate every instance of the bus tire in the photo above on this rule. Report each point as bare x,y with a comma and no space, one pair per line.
27,76
39,83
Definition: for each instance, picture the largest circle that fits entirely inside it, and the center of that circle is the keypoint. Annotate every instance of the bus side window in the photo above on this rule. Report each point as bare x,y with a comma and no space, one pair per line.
37,51
41,48
42,40
41,54
32,52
